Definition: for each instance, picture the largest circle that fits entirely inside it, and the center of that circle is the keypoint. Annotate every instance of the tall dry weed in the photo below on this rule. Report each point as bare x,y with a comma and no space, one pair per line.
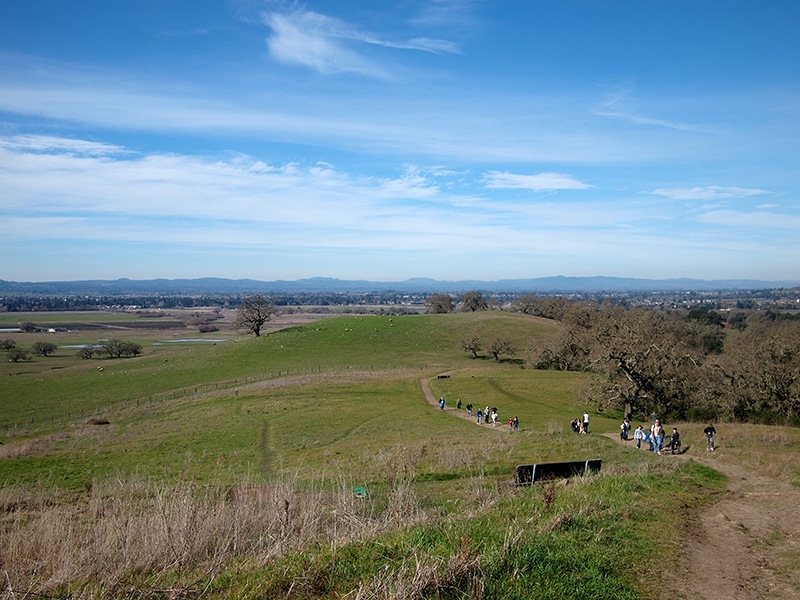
426,576
123,535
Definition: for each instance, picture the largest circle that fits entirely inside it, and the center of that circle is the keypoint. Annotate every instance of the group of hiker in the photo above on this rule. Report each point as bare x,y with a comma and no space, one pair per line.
580,425
656,436
483,416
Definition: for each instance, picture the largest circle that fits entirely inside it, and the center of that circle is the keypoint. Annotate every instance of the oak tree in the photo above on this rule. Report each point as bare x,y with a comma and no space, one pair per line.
473,301
254,311
440,304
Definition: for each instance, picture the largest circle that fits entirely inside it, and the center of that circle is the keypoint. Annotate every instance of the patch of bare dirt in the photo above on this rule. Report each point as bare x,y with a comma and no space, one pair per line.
746,546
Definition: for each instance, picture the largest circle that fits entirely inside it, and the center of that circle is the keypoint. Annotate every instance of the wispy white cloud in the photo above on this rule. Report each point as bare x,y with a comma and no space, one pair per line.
314,40
45,143
435,46
446,13
708,193
242,204
178,186
615,108
750,220
537,128
543,182
296,40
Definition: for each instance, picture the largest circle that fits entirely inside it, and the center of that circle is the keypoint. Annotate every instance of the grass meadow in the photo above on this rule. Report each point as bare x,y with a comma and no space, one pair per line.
325,474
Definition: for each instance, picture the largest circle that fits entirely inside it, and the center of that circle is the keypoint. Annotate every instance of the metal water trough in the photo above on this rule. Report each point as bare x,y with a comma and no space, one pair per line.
528,474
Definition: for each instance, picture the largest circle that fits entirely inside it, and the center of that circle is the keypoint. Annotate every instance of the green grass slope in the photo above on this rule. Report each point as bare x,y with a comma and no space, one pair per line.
50,388
141,507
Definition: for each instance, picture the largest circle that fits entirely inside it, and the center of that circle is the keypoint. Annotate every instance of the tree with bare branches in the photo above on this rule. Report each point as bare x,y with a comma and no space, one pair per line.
254,312
470,344
501,346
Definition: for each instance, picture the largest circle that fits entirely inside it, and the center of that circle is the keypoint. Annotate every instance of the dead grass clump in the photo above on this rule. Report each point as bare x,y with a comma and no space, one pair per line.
456,457
15,499
554,428
98,421
427,577
45,443
19,449
137,531
401,465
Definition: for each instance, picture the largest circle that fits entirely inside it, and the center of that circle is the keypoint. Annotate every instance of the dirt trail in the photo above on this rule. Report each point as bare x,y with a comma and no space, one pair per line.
452,410
743,547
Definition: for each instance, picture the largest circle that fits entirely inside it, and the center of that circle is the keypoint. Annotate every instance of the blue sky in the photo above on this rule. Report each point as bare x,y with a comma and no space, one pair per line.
451,139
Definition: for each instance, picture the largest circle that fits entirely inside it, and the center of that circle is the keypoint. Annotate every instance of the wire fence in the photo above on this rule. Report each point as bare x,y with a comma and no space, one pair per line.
206,388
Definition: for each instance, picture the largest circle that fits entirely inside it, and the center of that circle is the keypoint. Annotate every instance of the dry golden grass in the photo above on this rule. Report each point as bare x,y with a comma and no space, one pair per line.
426,575
123,536
100,544
768,450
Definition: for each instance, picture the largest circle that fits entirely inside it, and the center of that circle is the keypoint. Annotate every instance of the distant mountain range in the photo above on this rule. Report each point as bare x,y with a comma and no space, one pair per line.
213,285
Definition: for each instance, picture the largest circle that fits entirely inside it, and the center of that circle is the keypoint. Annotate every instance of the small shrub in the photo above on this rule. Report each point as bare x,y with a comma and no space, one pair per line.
547,491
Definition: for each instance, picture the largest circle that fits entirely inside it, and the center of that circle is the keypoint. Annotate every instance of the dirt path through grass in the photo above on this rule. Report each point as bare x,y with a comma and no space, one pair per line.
452,410
743,547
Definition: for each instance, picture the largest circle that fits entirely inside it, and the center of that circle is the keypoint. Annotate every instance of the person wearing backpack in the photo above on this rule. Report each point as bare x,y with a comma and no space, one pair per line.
710,432
657,435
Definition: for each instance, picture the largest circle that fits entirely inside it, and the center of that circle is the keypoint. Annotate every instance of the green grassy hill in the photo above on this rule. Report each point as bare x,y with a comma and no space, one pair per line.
146,505
47,389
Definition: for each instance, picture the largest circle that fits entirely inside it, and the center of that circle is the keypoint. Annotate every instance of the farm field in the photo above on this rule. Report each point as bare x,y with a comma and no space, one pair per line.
326,474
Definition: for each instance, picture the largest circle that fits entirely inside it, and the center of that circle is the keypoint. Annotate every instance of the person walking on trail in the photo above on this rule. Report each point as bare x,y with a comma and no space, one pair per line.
625,427
494,419
710,433
585,422
458,404
516,423
638,435
510,425
675,441
657,435
469,409
480,414
441,403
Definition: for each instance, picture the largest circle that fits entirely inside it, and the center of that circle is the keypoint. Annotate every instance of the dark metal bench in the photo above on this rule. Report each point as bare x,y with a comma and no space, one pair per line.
528,474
